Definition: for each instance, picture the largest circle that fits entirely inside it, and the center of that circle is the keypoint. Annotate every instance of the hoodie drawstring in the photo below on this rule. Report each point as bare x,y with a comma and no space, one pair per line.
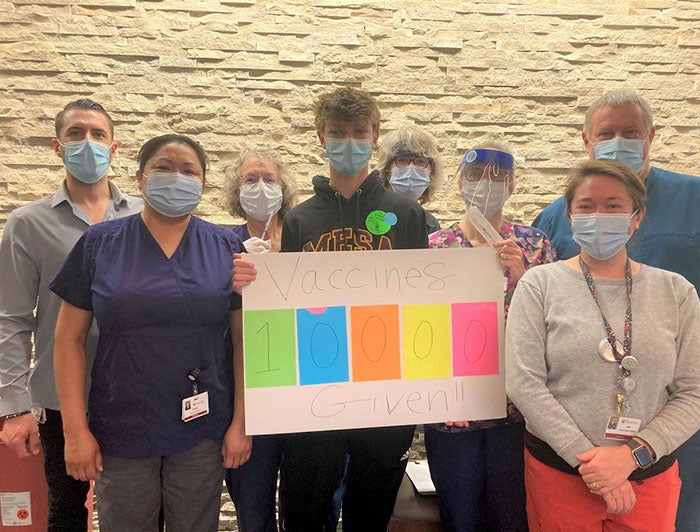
339,199
355,198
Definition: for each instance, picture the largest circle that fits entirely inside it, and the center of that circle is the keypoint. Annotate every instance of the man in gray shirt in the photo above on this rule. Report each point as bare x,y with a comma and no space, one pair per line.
36,240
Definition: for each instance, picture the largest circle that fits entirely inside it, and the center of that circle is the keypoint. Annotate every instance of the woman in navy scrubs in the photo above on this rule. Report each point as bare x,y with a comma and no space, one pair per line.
160,403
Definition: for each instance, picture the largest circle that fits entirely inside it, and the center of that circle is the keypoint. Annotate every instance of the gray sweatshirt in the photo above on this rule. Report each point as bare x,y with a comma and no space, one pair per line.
566,391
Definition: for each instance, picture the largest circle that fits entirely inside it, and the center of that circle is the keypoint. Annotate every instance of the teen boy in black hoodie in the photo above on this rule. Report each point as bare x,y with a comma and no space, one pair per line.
350,211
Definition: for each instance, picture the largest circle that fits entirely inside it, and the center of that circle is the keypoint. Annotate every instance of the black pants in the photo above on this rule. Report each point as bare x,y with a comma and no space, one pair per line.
67,496
313,464
479,476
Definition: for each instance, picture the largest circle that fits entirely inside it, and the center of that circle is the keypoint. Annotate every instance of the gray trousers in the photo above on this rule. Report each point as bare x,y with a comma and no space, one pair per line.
129,492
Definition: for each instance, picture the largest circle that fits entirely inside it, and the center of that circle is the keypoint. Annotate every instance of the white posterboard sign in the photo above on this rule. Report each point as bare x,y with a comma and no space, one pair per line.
339,340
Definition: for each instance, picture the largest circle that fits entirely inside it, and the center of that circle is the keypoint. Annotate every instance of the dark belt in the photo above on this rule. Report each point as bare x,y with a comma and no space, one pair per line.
545,454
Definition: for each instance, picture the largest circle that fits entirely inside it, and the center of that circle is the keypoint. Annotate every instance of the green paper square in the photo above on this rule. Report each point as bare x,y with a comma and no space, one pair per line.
269,343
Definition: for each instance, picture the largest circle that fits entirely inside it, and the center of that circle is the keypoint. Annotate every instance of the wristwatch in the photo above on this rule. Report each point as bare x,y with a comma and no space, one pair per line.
16,414
640,453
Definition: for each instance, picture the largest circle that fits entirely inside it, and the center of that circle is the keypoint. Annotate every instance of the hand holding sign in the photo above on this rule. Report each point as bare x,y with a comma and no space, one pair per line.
372,338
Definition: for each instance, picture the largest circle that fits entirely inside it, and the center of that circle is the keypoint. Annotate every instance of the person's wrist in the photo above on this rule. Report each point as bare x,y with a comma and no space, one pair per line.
645,444
15,414
75,429
629,462
238,424
639,450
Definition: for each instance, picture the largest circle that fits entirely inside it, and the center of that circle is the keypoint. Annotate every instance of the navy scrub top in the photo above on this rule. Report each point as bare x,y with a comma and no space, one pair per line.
159,319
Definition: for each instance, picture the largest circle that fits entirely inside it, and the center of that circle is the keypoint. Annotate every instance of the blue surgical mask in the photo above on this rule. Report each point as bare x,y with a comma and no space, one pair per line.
348,156
410,181
629,152
86,160
173,195
601,235
486,195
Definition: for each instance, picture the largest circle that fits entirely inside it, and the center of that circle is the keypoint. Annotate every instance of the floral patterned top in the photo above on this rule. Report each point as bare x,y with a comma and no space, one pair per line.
537,249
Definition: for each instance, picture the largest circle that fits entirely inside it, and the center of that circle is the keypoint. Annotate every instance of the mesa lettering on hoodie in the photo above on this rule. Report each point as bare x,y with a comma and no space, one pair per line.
372,218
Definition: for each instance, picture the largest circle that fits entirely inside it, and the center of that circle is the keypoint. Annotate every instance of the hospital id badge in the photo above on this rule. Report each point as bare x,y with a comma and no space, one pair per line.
622,428
195,406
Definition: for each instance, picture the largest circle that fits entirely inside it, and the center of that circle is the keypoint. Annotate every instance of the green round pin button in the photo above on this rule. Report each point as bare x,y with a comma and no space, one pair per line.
379,222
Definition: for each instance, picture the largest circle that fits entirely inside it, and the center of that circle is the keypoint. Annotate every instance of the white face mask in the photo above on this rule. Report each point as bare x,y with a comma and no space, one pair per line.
261,200
486,195
257,245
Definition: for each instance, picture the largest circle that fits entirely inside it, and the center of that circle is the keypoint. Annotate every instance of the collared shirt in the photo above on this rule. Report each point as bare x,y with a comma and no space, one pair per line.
35,242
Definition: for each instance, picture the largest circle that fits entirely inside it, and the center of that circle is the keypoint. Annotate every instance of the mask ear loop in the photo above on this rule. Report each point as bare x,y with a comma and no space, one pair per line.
485,177
473,195
629,227
516,203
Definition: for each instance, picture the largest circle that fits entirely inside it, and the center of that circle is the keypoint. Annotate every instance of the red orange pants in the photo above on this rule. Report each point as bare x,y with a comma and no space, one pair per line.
560,502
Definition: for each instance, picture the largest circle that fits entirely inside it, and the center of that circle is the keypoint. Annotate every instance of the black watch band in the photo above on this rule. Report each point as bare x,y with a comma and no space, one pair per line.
15,414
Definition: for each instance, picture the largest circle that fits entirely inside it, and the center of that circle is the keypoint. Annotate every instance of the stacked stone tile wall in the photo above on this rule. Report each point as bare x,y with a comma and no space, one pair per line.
234,71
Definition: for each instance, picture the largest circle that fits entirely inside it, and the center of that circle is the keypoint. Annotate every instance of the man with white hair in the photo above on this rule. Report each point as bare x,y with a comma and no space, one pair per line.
619,126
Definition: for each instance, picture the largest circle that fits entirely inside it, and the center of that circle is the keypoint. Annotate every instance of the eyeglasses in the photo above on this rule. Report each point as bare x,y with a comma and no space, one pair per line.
490,171
270,179
420,162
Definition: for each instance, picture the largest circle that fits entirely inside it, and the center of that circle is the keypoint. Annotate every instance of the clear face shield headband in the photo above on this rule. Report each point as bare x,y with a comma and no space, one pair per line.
486,176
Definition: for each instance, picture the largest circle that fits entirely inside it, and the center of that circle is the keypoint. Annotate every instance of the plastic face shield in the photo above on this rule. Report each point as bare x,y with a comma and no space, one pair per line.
486,163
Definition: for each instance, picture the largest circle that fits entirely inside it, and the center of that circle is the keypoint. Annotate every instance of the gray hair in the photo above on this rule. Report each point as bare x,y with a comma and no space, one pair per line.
618,98
410,139
232,191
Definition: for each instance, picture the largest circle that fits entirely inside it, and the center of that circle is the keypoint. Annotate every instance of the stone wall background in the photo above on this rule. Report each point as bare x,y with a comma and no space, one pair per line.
231,71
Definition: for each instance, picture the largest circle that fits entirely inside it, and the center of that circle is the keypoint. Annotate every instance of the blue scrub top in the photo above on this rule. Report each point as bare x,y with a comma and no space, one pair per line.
159,319
669,236
241,231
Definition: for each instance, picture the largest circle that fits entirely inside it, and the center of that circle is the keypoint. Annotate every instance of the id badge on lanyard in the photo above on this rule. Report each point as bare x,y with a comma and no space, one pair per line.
197,404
